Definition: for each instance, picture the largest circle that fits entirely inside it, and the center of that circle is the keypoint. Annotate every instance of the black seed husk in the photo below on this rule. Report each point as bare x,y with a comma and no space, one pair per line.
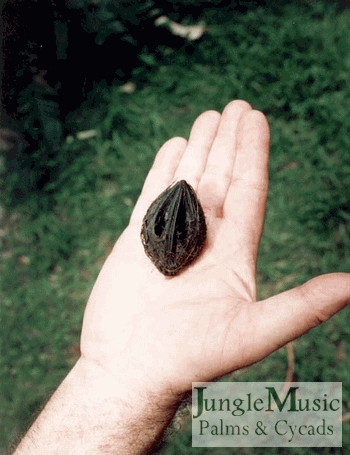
174,230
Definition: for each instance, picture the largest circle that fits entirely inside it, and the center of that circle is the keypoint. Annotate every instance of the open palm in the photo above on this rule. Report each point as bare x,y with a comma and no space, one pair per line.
169,332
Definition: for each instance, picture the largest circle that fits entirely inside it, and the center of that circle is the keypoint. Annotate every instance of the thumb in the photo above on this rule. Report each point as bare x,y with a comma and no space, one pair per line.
295,312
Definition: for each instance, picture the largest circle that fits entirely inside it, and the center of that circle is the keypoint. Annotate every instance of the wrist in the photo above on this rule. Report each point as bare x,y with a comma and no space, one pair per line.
93,412
99,385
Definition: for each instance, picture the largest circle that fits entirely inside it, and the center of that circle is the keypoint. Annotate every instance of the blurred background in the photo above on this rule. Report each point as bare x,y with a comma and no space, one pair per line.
90,90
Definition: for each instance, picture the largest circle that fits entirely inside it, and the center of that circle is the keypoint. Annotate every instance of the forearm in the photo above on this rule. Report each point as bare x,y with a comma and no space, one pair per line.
90,413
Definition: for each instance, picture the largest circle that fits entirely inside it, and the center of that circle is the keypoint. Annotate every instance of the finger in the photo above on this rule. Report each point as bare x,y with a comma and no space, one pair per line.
294,312
244,207
202,135
219,166
160,176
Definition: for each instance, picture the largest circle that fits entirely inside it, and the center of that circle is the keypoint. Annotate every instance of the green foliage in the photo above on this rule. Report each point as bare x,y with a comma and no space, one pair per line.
39,116
293,64
105,17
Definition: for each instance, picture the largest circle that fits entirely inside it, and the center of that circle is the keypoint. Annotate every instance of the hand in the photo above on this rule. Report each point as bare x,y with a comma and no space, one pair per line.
147,337
166,333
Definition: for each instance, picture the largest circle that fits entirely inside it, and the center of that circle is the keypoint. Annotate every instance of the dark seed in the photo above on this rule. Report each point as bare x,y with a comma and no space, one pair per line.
174,229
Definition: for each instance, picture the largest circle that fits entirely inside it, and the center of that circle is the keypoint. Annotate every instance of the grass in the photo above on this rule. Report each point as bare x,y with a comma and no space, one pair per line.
294,65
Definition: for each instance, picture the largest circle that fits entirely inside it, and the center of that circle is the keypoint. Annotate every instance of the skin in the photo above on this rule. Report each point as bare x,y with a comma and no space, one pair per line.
146,337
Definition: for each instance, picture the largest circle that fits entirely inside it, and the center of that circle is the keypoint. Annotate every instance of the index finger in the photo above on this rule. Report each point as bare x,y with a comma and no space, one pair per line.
245,201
